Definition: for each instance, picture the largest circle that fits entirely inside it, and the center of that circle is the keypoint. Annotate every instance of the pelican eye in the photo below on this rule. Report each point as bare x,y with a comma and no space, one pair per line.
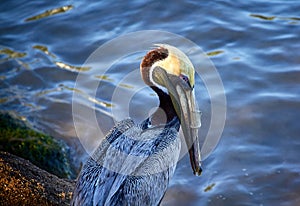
185,79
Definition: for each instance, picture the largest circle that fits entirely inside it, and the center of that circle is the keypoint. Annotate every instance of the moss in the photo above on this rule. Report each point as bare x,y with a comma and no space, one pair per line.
42,150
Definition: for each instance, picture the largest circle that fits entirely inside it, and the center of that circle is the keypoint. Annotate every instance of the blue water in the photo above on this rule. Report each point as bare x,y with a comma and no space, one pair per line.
253,44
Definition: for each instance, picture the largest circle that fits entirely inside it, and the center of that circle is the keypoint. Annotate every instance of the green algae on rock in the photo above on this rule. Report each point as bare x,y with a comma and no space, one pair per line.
42,150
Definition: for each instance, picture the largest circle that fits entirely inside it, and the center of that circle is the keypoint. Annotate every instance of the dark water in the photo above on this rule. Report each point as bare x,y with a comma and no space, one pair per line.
253,44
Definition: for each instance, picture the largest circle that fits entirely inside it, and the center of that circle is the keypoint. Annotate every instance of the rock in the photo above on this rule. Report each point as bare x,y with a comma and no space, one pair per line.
22,183
46,152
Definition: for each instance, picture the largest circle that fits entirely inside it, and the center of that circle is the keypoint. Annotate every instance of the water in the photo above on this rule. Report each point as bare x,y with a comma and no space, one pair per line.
253,44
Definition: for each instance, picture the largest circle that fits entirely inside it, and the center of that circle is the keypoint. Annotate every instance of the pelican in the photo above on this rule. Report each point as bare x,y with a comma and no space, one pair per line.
135,162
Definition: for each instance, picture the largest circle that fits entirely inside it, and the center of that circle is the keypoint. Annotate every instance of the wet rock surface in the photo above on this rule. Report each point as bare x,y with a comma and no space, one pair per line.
22,183
34,167
19,138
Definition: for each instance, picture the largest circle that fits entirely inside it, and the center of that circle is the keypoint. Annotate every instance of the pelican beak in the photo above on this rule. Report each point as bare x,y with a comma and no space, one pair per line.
183,100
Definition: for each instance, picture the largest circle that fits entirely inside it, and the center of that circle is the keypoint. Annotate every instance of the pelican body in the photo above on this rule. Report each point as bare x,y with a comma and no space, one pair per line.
134,163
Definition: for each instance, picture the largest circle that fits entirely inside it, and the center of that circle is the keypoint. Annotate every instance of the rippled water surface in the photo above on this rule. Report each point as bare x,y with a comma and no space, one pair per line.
253,44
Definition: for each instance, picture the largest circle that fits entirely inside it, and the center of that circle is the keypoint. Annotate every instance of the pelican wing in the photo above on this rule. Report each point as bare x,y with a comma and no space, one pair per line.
93,176
131,167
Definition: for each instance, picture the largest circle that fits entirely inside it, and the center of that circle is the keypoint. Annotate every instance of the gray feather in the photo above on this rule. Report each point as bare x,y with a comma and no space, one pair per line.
132,166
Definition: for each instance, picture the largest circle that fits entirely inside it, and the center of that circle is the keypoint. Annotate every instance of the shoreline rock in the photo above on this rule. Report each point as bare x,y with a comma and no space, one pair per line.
33,165
19,138
23,183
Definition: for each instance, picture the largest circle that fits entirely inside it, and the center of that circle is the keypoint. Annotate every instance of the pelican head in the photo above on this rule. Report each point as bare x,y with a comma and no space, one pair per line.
170,70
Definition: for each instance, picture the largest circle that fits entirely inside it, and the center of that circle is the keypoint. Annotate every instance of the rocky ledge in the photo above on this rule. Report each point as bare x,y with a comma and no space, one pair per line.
22,183
35,168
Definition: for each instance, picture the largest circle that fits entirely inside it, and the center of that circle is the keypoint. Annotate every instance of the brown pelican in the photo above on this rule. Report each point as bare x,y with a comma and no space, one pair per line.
134,163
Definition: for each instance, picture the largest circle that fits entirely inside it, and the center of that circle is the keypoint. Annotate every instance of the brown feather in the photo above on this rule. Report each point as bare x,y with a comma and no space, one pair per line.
150,58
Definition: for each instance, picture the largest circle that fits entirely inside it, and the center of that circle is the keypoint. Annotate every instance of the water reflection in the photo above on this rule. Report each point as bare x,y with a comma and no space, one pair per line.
12,54
292,20
50,12
269,18
71,67
214,53
44,49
